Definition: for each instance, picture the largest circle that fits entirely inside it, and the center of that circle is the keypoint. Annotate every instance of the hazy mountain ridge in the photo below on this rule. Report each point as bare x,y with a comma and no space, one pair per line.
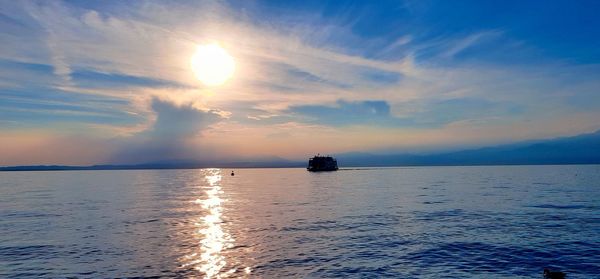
581,149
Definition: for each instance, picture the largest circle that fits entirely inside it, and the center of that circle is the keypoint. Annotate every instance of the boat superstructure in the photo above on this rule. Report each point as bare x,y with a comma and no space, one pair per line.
322,163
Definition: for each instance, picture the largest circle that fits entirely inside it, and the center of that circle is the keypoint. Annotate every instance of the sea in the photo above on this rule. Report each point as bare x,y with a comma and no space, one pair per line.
405,222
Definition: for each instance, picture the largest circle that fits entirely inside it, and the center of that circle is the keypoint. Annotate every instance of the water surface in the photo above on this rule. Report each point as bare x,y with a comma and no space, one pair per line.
424,222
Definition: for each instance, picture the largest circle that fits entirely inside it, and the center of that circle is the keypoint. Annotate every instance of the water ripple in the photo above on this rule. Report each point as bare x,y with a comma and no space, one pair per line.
455,222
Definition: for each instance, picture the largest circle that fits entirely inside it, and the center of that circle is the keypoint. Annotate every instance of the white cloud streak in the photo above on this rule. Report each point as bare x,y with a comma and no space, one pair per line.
281,65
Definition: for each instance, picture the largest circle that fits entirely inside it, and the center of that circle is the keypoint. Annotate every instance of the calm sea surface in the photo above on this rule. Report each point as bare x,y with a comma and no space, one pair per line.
424,222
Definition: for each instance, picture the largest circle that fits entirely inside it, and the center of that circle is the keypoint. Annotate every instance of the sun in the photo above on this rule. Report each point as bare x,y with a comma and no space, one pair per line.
212,64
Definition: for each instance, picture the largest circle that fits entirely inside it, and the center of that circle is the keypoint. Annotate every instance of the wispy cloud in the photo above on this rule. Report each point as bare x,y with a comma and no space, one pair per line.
469,41
122,70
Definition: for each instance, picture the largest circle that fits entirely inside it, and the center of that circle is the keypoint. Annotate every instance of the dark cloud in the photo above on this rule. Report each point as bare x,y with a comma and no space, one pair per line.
174,121
169,137
297,78
381,77
430,114
93,79
345,113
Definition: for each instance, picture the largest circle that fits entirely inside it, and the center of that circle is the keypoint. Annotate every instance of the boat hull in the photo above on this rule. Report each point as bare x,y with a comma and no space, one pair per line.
318,170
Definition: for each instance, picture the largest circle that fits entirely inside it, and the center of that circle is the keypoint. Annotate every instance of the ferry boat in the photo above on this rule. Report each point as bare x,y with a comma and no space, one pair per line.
322,163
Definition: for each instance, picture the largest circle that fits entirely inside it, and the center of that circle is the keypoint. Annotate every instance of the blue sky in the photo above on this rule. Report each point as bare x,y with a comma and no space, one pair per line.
110,81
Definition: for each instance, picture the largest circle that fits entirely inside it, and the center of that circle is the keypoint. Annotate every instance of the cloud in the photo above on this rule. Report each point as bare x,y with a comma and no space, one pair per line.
382,77
175,122
171,136
346,113
175,133
438,113
121,70
469,41
92,79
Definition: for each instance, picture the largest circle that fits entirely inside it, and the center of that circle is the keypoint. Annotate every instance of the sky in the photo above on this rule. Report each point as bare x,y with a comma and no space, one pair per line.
96,82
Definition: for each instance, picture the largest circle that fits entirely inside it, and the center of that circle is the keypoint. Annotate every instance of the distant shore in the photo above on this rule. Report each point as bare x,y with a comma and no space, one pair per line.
578,150
243,166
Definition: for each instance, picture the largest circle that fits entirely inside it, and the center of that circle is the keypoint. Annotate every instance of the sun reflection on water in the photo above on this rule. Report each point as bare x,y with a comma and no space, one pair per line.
214,238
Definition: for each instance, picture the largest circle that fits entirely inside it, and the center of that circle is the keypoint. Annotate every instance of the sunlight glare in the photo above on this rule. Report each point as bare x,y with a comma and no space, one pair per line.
212,64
